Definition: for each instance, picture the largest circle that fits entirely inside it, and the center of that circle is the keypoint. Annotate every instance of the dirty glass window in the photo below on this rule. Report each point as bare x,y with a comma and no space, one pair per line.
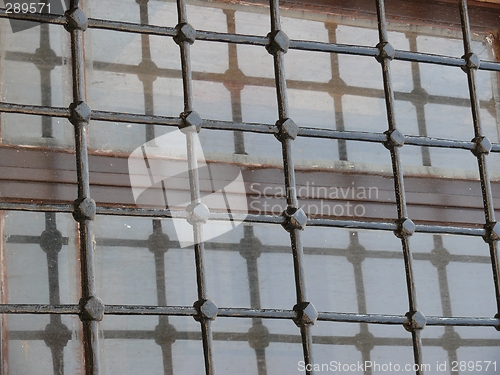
221,187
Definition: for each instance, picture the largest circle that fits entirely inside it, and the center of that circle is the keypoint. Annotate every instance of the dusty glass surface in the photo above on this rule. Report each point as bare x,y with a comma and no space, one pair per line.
41,260
140,261
41,344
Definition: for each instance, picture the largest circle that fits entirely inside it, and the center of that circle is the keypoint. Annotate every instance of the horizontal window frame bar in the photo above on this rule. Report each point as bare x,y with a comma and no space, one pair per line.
140,119
251,218
248,313
213,36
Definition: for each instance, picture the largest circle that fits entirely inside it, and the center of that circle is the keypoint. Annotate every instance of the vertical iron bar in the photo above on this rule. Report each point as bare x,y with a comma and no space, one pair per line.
291,193
199,247
84,206
406,227
471,64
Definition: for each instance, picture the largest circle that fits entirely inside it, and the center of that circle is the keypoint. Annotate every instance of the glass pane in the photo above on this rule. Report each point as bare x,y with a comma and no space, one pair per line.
452,350
258,346
41,257
156,345
39,344
355,271
127,272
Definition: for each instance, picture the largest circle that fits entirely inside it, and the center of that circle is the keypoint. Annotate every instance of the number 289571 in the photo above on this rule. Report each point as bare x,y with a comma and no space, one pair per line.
16,8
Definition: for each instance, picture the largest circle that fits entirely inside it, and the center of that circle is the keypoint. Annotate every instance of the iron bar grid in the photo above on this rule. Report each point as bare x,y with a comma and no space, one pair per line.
84,207
90,326
405,225
481,154
252,40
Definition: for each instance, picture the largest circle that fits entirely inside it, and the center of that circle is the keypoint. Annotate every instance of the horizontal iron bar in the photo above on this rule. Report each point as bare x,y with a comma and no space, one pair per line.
130,27
251,218
38,309
450,230
56,19
246,313
34,110
240,126
250,40
463,321
149,310
135,118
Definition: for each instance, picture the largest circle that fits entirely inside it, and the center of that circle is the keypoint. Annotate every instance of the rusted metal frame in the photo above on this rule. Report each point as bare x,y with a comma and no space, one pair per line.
250,313
84,207
295,218
481,150
184,38
405,227
249,39
251,218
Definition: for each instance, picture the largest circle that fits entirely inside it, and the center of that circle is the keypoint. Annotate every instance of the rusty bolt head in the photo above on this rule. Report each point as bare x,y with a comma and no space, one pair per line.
278,41
191,122
287,129
207,310
84,209
306,314
492,232
394,139
185,33
416,321
295,218
406,227
472,61
80,112
92,308
482,145
258,336
386,52
197,213
76,20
